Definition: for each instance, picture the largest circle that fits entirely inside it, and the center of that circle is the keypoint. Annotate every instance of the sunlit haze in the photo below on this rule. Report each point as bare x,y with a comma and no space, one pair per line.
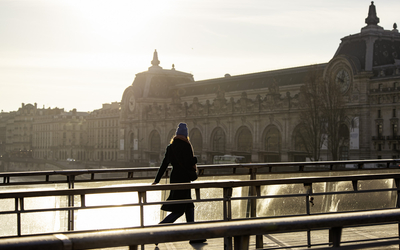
83,53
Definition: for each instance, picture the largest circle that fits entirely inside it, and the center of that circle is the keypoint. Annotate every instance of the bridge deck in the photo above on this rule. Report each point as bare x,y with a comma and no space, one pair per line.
288,239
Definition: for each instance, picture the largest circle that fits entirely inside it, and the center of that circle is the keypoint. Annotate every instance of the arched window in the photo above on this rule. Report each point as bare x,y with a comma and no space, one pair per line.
196,140
272,140
218,140
299,153
155,141
131,141
299,143
244,140
344,135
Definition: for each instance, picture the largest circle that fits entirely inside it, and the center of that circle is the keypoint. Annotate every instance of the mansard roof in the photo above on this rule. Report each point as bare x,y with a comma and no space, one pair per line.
247,82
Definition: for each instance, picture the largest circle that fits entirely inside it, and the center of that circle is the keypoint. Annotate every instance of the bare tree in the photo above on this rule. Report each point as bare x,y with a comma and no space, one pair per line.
334,112
322,111
311,114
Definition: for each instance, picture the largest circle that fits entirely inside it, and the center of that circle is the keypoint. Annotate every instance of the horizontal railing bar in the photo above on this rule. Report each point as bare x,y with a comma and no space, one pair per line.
40,210
198,201
89,180
198,184
361,246
313,194
159,234
201,167
356,192
370,239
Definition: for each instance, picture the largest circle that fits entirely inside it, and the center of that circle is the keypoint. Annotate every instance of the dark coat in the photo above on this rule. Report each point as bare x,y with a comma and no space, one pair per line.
180,154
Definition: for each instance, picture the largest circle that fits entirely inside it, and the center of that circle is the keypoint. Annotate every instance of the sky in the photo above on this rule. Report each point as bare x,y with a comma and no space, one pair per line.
83,53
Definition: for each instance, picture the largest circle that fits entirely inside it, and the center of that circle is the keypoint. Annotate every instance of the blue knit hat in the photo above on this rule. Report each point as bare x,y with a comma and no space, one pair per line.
182,129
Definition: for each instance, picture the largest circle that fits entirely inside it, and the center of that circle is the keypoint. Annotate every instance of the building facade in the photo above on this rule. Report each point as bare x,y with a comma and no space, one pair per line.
59,135
102,133
252,115
257,115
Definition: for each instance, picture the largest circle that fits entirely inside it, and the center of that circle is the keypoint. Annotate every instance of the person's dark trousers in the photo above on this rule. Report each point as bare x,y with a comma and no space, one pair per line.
189,213
172,217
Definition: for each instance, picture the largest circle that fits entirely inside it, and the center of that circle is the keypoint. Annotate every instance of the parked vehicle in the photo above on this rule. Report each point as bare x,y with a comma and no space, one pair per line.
228,159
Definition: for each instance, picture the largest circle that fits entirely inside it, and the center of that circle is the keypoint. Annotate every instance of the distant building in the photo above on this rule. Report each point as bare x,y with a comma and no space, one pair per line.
102,133
19,126
59,135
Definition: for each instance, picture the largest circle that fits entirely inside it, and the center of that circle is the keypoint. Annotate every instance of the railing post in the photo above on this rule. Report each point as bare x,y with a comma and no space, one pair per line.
241,242
253,203
142,200
197,192
259,238
355,185
19,207
308,187
397,182
227,215
335,234
71,212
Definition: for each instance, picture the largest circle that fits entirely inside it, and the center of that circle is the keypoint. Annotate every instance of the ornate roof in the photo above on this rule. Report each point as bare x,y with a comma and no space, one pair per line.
375,48
155,82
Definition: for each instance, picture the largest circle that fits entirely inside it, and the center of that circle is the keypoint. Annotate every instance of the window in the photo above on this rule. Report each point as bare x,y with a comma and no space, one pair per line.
394,113
379,113
379,130
155,141
272,140
197,141
343,153
394,130
219,140
245,140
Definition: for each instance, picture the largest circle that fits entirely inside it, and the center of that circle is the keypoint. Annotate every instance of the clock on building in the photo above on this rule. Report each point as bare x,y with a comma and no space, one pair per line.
131,103
342,78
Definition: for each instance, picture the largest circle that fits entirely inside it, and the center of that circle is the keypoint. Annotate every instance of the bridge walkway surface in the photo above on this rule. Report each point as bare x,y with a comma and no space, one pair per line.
290,241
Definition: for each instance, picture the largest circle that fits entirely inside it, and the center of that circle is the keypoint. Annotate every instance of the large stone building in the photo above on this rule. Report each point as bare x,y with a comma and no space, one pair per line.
257,115
253,115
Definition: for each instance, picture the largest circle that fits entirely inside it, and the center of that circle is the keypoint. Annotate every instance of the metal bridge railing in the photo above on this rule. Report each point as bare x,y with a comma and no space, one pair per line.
226,199
71,177
239,230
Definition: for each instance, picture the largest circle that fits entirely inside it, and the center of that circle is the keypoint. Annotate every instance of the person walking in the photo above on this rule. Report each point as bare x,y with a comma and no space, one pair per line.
179,153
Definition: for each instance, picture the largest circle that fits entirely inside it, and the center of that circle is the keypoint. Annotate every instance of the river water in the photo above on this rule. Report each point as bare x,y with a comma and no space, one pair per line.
89,219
